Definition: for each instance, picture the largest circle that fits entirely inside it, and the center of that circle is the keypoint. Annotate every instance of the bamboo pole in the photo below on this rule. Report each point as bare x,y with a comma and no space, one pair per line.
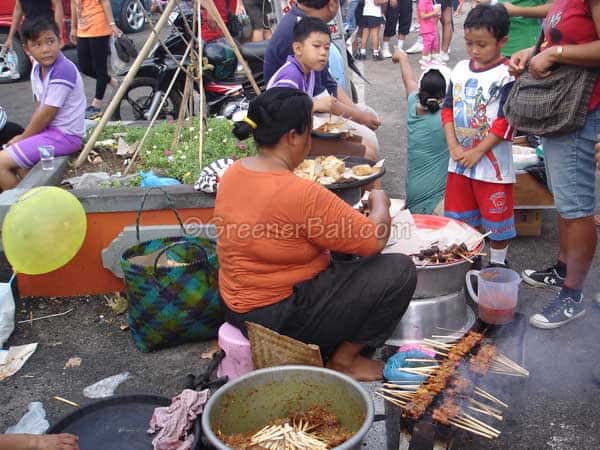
201,81
160,106
126,83
214,13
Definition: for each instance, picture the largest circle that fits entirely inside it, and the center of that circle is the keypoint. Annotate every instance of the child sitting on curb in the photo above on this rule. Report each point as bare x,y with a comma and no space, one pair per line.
58,119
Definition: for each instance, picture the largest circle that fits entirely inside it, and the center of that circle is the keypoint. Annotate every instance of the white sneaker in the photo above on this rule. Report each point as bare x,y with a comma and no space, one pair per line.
444,57
417,47
385,52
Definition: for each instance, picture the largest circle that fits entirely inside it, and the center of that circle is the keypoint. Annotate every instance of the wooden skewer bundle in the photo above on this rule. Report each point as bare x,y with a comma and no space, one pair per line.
288,437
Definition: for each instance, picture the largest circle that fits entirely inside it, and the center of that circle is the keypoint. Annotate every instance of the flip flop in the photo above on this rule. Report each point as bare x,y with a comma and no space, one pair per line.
597,219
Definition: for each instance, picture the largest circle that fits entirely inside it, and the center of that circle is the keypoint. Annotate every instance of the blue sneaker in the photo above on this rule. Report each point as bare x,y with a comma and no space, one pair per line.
557,312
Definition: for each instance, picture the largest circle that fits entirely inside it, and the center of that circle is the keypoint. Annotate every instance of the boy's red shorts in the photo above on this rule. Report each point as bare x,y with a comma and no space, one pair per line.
481,203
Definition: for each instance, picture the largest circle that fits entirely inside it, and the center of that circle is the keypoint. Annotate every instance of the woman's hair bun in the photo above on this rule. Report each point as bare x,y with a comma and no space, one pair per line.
242,130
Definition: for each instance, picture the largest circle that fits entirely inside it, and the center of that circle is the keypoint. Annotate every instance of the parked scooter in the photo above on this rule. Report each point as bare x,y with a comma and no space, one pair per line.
226,86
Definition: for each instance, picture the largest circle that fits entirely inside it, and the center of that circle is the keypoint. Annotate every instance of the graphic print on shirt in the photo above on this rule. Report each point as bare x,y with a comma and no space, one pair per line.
471,118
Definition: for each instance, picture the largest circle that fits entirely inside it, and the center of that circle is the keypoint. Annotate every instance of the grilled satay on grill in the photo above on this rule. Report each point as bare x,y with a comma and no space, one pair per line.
480,363
446,411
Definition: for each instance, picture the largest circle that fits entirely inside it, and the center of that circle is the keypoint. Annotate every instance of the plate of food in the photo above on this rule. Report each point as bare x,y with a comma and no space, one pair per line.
333,128
340,172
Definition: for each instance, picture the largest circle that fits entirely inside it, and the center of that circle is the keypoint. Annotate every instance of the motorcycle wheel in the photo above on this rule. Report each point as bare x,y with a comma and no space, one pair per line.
138,98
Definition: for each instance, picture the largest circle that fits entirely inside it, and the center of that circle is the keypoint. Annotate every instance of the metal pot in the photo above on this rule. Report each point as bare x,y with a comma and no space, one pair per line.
423,316
440,279
250,402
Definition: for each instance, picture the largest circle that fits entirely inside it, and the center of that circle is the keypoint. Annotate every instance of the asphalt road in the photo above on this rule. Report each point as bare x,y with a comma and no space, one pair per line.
558,407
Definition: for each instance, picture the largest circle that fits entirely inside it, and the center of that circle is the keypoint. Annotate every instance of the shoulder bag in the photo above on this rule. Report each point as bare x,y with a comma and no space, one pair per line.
556,104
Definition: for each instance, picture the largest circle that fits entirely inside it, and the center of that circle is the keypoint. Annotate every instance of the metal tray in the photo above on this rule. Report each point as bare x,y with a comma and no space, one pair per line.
116,423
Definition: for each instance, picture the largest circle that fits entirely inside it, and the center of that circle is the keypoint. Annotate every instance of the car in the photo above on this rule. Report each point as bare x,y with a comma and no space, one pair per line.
129,15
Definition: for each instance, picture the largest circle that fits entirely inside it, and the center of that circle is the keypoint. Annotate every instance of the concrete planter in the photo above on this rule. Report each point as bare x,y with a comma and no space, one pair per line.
109,213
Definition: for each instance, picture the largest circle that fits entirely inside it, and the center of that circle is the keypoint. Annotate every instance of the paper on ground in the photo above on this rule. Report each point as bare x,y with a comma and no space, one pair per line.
15,358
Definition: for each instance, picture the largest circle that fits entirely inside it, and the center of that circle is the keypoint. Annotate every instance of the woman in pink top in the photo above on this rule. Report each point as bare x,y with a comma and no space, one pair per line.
428,15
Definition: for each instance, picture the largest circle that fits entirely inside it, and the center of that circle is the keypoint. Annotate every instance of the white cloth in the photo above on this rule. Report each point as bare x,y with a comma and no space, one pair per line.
371,9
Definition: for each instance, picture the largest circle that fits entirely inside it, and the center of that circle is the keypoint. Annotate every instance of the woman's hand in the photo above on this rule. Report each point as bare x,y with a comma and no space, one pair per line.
378,198
322,104
540,64
116,31
73,36
519,60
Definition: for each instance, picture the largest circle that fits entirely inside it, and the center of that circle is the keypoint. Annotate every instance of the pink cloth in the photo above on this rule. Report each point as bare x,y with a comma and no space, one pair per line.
426,25
408,347
176,420
431,43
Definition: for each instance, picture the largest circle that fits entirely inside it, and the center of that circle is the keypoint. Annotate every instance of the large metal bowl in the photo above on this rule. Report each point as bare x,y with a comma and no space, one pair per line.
442,279
250,402
424,317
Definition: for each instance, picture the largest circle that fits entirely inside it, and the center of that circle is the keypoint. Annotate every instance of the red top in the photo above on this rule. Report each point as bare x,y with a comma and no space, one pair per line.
211,32
570,22
275,230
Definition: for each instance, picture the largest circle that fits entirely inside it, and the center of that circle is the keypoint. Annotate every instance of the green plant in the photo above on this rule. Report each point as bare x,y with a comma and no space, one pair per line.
181,162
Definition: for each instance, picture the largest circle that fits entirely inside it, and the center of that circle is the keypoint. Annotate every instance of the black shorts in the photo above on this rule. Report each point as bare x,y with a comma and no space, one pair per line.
445,3
359,301
370,22
258,11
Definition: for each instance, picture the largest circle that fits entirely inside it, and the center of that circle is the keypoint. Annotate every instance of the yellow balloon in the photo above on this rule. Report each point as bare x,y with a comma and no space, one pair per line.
43,230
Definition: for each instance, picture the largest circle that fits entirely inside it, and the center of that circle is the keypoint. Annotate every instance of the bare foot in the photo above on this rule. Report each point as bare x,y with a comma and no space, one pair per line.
56,442
361,368
597,219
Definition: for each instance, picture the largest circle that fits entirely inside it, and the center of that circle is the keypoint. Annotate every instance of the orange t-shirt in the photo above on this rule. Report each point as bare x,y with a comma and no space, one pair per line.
275,230
91,20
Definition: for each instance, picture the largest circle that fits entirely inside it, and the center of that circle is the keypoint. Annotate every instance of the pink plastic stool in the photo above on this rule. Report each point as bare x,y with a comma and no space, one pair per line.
238,357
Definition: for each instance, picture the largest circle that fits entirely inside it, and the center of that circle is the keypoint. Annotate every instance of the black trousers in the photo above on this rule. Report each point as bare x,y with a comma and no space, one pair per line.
398,19
359,301
9,131
92,56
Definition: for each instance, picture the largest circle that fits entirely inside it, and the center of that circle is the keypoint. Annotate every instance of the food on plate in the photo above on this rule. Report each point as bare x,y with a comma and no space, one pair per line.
364,170
332,127
333,167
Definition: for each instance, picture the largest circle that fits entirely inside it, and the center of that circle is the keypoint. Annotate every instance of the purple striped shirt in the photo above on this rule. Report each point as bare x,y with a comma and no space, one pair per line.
62,88
292,75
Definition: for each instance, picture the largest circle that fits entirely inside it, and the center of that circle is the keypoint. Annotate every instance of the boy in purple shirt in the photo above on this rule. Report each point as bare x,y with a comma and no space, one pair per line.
58,119
311,43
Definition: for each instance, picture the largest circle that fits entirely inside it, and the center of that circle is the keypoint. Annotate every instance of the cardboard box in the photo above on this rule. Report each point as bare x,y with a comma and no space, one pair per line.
528,222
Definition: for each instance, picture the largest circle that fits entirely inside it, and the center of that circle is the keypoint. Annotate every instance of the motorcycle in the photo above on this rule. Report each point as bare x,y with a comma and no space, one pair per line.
226,86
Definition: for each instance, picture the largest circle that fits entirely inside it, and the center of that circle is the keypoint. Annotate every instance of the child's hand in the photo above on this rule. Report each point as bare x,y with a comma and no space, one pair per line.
15,139
456,152
518,61
470,158
370,119
322,104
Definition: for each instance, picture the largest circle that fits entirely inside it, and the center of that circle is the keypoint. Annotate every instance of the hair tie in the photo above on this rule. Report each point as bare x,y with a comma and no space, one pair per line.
251,123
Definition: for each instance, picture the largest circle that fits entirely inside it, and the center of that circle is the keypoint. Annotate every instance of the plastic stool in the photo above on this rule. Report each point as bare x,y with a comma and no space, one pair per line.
238,357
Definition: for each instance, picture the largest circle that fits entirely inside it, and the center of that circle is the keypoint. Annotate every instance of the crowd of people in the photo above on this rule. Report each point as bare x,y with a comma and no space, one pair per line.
459,156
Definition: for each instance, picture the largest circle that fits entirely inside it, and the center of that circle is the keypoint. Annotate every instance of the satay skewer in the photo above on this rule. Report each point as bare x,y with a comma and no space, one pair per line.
484,406
421,360
483,424
489,396
395,401
471,430
486,412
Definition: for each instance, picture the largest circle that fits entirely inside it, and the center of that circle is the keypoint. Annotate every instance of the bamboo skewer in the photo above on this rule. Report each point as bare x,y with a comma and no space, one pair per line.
483,424
64,400
489,396
391,399
484,406
470,430
487,412
417,359
476,424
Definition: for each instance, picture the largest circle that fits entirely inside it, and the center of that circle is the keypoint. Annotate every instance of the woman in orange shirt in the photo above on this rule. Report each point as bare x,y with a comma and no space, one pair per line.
92,24
275,234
